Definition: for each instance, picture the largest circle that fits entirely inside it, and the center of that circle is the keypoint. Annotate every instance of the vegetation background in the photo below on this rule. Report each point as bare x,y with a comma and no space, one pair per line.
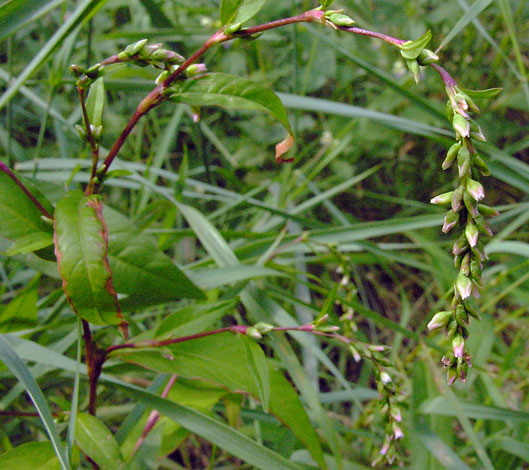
369,147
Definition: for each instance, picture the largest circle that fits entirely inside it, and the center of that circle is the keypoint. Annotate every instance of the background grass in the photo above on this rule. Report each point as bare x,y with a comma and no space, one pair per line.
369,145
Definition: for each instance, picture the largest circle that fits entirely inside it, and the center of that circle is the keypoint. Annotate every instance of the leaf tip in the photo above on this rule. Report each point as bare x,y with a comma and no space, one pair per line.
283,147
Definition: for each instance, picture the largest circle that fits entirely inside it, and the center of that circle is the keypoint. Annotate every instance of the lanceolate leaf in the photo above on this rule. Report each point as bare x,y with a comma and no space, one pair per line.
227,91
33,455
228,10
19,215
140,270
98,443
221,359
81,241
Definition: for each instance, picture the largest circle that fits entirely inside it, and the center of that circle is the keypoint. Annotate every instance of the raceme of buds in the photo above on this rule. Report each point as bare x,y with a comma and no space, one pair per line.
470,217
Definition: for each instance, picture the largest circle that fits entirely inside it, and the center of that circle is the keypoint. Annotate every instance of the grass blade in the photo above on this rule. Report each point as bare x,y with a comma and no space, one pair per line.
15,364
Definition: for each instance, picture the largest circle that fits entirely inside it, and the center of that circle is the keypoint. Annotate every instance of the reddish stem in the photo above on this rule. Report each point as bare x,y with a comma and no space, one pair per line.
90,138
95,358
445,76
364,32
27,192
154,416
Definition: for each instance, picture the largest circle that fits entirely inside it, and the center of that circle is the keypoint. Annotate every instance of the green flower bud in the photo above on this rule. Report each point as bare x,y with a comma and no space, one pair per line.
441,199
471,309
81,131
232,28
461,125
451,155
340,19
451,376
475,189
458,346
427,57
462,371
464,266
457,198
470,204
480,165
135,47
483,226
448,359
463,161
450,220
463,286
460,245
252,332
451,329
472,234
461,316
440,320
263,328
487,211
76,70
476,132
475,271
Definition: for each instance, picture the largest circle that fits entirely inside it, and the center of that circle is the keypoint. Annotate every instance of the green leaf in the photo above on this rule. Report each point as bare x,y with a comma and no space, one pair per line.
140,269
158,18
228,10
210,429
221,359
81,241
86,10
259,368
15,14
411,50
95,102
13,362
248,9
231,92
31,242
19,215
98,443
33,455
21,312
483,94
442,406
193,319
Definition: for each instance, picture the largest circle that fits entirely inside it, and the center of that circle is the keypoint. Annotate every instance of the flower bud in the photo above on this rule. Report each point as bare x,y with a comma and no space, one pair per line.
232,28
355,353
196,69
451,155
464,266
487,211
472,234
463,286
483,226
440,320
451,376
162,77
451,329
448,359
480,165
396,414
252,332
463,161
462,371
471,309
477,133
340,19
76,70
451,219
458,346
475,189
475,270
470,204
397,432
457,198
444,198
263,327
461,125
460,245
427,57
135,47
461,316
385,377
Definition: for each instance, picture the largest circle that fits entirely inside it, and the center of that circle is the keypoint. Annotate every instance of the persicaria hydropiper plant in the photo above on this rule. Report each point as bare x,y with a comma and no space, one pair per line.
77,225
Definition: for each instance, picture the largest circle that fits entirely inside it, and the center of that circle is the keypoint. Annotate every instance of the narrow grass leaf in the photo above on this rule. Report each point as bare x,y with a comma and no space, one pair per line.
17,367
